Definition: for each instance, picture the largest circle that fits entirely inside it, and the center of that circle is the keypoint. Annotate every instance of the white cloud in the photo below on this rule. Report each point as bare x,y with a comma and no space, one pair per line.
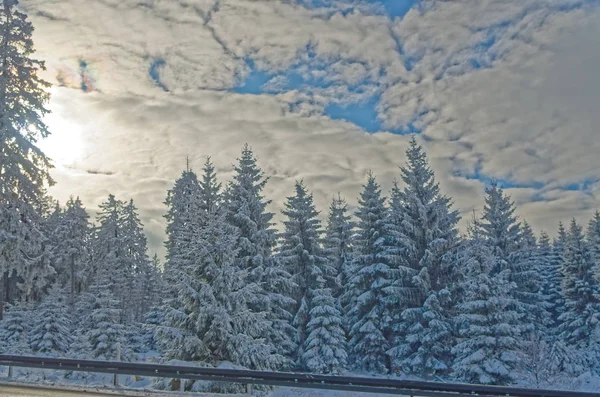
528,115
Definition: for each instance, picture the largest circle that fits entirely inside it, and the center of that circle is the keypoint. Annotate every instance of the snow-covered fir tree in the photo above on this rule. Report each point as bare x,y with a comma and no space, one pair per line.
426,236
512,247
24,168
487,320
301,255
209,188
51,330
527,274
111,254
425,345
427,224
277,286
71,245
213,312
369,318
14,329
339,244
550,275
325,345
247,211
105,333
593,237
139,272
182,225
581,292
150,287
499,226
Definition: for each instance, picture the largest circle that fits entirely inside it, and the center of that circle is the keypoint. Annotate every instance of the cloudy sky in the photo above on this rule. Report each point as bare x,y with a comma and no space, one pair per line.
324,90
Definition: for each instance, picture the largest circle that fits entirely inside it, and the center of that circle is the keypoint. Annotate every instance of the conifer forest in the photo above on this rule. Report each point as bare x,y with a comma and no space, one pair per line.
390,287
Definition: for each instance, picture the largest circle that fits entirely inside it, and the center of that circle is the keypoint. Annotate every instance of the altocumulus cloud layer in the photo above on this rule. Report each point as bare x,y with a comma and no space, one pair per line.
502,90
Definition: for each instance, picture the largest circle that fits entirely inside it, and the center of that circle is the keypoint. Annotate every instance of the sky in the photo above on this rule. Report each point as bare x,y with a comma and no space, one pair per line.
324,91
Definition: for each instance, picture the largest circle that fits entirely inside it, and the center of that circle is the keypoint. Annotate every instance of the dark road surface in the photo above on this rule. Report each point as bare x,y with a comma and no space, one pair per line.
24,391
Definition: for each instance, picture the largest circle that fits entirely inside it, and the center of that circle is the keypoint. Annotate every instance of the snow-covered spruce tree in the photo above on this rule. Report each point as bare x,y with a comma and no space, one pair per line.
488,323
369,318
71,245
215,297
527,274
111,253
425,345
426,234
339,244
24,169
551,278
247,211
139,268
504,235
581,319
210,188
51,331
14,329
277,286
303,258
182,226
593,237
325,346
105,331
499,227
427,224
152,321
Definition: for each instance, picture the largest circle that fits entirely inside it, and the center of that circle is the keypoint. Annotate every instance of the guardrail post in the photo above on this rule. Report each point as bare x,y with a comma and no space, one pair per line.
116,377
249,389
10,371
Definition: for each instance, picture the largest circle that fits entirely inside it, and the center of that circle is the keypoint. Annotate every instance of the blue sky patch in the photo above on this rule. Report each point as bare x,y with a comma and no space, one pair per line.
364,115
254,82
396,8
154,72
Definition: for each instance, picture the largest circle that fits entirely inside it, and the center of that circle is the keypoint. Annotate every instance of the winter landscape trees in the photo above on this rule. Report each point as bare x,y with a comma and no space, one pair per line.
386,287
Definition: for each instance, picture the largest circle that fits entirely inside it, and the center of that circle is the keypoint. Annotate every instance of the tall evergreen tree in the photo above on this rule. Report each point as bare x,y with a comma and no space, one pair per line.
593,237
210,188
183,219
136,263
527,274
71,245
339,243
488,324
370,318
105,334
302,256
277,289
215,296
110,252
512,247
499,226
581,292
247,211
427,223
550,276
426,233
24,169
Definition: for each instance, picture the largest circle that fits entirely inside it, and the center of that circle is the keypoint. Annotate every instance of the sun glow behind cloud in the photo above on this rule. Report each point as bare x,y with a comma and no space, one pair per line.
65,144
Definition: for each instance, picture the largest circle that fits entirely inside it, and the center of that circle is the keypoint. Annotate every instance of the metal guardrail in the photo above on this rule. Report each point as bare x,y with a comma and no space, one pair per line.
303,380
